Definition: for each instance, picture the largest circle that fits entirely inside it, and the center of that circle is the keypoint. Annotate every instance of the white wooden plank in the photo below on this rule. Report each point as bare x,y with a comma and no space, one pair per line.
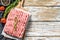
42,38
44,13
42,2
43,29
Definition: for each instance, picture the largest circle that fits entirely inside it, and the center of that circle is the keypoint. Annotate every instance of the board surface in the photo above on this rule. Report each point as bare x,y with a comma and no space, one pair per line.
44,13
42,2
43,29
42,38
44,23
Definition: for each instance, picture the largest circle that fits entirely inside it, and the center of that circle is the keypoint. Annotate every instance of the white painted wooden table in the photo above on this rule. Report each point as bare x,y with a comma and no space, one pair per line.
44,23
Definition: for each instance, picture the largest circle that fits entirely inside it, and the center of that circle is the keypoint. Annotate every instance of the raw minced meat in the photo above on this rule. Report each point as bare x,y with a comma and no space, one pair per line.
16,23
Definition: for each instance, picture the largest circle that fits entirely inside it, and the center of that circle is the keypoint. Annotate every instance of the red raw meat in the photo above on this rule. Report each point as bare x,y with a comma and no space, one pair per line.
22,17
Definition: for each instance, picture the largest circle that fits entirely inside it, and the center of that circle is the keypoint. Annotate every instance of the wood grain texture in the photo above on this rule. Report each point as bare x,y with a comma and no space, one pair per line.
42,2
42,38
43,29
44,13
38,30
